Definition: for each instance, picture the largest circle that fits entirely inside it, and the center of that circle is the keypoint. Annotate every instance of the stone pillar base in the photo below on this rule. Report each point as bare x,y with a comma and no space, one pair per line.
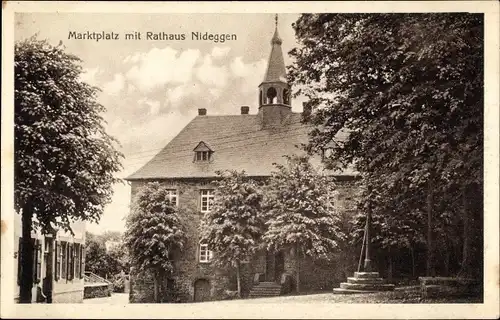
364,282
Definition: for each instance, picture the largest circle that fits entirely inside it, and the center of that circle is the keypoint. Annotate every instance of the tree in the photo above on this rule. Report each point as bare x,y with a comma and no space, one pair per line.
395,83
64,160
154,234
95,255
103,262
300,212
233,227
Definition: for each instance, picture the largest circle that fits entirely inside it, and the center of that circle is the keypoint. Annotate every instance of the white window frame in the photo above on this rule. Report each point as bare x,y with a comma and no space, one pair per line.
172,193
204,254
206,195
203,156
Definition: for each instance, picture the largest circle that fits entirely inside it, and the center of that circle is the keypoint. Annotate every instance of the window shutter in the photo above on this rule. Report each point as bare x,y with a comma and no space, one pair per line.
35,258
75,260
70,261
56,260
19,264
82,262
64,260
39,255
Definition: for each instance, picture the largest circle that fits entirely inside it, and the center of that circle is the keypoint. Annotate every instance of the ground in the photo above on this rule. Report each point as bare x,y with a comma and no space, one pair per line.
402,295
116,298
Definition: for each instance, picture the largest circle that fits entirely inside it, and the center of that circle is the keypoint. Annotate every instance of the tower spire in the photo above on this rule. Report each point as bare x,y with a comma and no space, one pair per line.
274,91
276,70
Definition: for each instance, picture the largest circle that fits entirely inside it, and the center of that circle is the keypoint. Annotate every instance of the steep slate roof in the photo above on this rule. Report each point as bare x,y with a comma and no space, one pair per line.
238,143
276,71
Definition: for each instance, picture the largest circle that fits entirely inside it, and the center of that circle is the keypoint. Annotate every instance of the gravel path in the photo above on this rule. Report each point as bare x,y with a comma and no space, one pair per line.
116,298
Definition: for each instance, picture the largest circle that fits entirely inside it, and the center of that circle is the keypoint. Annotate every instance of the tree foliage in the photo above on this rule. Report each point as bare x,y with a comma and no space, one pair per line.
154,232
234,226
64,161
408,89
300,211
105,263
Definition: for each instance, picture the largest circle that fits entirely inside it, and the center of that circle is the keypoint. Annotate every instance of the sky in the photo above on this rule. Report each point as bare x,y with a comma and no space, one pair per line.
153,88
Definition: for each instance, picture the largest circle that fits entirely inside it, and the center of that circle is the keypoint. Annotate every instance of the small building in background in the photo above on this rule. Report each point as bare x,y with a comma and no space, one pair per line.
111,244
58,263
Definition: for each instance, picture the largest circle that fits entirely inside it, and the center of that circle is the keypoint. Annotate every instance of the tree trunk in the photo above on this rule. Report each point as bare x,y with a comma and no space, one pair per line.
297,268
368,266
156,287
26,256
465,268
412,262
447,263
431,271
390,272
238,278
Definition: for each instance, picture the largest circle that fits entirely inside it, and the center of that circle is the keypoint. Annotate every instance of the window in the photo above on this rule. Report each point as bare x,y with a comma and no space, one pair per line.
205,254
57,261
203,153
172,196
207,197
271,95
63,255
71,262
77,260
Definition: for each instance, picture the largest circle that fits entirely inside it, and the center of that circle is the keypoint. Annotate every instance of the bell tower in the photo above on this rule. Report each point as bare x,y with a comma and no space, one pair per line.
274,91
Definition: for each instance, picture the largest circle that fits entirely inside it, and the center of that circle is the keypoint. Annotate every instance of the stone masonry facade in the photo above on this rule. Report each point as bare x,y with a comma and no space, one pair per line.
315,275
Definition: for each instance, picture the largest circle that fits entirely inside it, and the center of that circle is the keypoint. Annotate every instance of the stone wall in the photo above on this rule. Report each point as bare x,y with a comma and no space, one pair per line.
187,267
97,290
314,276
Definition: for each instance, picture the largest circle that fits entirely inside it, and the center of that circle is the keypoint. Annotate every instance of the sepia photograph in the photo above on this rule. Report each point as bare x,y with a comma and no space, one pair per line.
200,161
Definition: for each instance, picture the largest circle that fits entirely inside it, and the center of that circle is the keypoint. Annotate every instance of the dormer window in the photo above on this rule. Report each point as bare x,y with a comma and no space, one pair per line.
202,152
202,155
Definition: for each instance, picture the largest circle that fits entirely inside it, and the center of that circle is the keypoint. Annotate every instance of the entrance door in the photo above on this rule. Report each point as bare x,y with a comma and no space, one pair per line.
48,257
279,265
270,274
201,290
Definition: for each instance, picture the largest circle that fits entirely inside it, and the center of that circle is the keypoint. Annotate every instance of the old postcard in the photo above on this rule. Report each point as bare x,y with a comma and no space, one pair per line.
250,160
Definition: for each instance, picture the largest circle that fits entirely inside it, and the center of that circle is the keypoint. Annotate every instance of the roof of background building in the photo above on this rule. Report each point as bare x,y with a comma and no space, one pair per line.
238,143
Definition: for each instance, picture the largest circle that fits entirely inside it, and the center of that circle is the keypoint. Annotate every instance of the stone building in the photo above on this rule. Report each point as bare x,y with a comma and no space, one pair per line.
251,142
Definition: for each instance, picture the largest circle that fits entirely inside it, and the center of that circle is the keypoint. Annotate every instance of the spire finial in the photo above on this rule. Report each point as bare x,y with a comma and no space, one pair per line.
276,38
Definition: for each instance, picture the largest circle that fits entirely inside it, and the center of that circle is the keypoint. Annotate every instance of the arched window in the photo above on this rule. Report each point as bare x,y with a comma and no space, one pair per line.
271,95
260,98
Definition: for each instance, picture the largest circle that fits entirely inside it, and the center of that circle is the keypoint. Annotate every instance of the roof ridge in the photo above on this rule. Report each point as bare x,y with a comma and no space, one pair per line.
225,115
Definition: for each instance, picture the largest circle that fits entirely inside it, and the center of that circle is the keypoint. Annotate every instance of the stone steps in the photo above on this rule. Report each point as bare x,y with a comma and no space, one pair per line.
367,286
365,280
365,275
265,289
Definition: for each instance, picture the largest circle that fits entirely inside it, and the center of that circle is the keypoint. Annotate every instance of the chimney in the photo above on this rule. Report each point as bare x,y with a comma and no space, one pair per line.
245,109
202,112
306,109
